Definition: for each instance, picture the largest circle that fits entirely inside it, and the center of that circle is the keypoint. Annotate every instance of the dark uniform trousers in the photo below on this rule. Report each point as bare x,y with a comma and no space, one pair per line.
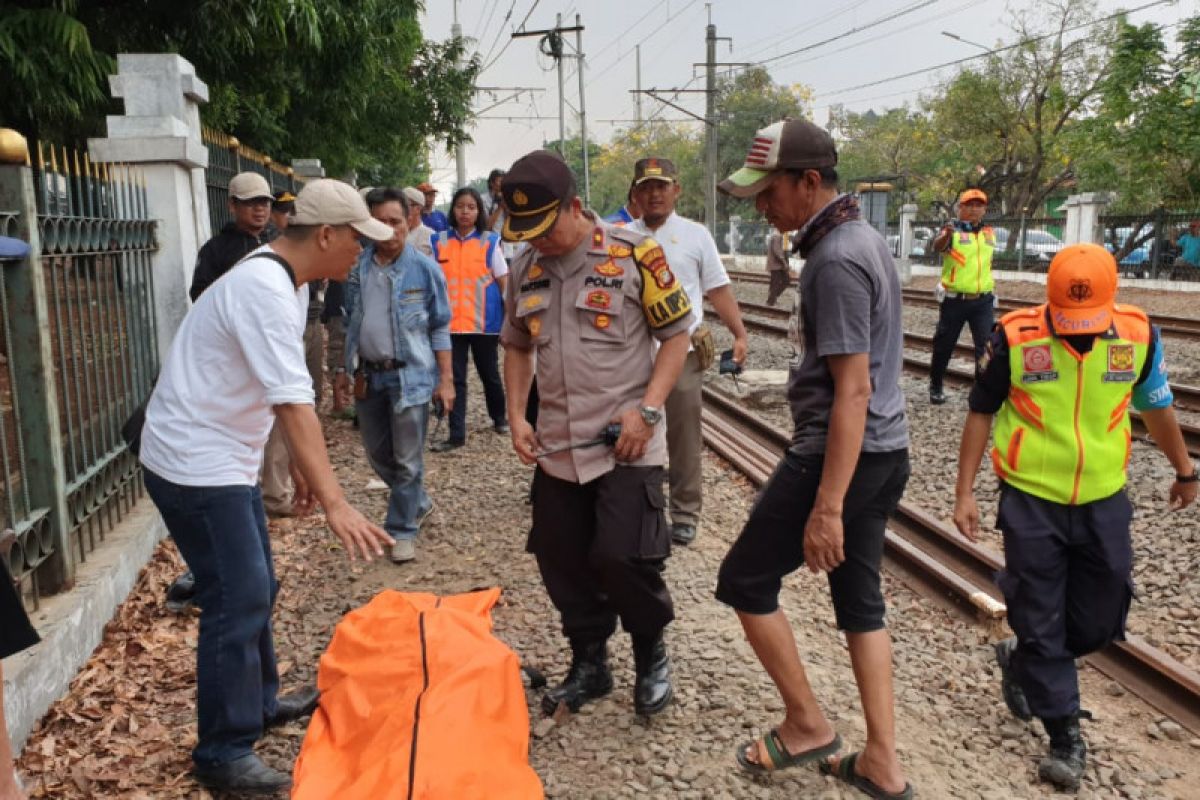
1068,583
953,314
602,547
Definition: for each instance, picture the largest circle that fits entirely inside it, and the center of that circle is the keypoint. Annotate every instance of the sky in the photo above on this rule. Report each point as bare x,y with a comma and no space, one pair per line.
844,43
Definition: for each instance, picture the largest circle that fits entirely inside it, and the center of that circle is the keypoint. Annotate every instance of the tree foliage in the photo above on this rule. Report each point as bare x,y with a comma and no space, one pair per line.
352,83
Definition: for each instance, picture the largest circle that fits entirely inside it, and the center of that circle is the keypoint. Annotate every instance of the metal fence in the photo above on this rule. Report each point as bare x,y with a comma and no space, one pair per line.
748,237
226,158
1024,244
90,327
1147,245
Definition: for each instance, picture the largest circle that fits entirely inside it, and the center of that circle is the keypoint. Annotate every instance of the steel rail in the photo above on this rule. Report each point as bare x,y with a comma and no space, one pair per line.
1170,325
959,569
1186,397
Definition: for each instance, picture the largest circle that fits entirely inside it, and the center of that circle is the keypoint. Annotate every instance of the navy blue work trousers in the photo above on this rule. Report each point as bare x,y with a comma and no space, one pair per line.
1068,582
483,349
221,531
953,314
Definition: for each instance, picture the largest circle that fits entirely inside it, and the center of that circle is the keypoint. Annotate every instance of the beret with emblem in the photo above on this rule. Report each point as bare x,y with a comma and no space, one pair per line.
533,191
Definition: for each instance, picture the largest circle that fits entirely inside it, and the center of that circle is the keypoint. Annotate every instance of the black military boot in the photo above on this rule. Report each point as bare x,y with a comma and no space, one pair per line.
587,679
1014,695
652,689
1063,765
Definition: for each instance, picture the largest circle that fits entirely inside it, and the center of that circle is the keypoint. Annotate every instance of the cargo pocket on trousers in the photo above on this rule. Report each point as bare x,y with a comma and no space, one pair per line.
655,543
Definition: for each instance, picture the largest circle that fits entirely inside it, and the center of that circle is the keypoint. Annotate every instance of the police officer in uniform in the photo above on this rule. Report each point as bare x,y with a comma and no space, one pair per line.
1059,377
585,304
966,245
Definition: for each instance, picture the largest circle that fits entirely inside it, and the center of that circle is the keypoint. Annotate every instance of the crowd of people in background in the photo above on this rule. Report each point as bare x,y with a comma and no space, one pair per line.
605,349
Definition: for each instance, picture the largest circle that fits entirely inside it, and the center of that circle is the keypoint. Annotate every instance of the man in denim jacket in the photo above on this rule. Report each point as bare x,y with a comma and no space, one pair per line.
398,349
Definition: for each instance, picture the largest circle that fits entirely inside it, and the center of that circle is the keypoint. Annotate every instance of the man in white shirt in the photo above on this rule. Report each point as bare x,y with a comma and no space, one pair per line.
235,366
692,255
420,235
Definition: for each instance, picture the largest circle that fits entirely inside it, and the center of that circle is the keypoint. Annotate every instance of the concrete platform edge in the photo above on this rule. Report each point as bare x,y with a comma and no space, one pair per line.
72,624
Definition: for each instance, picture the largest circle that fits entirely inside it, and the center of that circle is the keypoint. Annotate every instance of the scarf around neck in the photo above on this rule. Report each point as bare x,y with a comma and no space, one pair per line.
842,209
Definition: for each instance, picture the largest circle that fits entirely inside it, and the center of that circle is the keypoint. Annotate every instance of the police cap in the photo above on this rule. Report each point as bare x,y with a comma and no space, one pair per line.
533,191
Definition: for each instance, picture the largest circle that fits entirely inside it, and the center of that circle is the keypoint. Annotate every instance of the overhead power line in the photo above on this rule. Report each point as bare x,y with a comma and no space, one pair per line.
1003,49
528,14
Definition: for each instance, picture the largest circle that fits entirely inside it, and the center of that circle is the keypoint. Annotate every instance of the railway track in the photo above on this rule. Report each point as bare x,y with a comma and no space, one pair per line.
946,563
1186,397
1180,327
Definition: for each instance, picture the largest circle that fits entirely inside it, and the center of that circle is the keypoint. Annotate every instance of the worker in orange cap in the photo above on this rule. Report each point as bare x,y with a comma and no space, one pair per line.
965,291
1059,379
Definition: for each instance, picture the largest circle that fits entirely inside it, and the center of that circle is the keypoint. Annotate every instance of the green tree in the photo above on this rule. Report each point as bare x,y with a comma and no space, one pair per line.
1144,140
748,101
352,83
897,145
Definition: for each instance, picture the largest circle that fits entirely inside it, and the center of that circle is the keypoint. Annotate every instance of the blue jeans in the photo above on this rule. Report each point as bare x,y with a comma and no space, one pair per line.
394,438
222,533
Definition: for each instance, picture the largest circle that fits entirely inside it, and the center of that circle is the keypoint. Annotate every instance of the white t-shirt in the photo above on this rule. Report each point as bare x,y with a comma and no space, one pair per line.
239,351
692,255
420,237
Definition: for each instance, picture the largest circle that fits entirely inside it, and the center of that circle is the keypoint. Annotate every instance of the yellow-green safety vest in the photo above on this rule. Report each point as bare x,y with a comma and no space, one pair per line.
967,265
1063,432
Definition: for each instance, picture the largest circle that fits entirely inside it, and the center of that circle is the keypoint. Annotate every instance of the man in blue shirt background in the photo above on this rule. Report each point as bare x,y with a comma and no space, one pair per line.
1189,245
398,350
434,219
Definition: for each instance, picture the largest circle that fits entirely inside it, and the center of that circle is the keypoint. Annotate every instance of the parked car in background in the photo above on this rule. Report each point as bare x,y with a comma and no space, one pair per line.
1040,246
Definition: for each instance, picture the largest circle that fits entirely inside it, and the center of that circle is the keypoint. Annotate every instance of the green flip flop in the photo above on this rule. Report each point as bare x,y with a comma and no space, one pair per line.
778,756
845,771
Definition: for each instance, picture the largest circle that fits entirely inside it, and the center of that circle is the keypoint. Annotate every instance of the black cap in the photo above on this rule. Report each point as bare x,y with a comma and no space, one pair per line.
655,169
533,191
283,200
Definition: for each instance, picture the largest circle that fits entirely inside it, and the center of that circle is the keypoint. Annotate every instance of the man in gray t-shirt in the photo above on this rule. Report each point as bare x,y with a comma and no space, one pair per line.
827,503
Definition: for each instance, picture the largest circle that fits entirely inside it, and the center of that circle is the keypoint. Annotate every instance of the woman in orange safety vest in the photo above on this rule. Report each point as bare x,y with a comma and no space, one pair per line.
475,269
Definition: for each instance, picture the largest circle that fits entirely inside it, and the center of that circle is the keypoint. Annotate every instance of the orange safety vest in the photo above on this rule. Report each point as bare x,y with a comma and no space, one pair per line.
419,701
476,305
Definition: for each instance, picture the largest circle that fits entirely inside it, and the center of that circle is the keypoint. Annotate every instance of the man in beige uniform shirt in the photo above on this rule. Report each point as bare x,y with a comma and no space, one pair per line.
585,302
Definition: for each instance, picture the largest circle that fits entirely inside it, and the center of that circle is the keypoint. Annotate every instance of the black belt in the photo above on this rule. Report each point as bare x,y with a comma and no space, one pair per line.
966,295
387,365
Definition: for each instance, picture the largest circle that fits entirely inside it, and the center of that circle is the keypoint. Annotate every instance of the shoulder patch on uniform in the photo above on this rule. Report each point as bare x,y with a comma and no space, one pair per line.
598,238
663,299
620,251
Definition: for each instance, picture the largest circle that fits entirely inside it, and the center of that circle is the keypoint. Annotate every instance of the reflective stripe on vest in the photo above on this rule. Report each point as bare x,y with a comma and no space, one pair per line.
967,265
1063,433
475,302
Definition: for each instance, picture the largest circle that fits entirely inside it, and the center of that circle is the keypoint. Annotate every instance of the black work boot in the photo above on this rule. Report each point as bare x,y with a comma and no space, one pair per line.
587,679
937,396
652,689
1063,765
1014,695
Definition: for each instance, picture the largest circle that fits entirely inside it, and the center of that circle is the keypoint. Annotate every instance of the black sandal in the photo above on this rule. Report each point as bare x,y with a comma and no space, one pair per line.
845,771
778,756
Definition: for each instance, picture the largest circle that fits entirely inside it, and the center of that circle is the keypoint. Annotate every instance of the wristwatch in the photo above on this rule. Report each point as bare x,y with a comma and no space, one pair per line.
651,415
1193,478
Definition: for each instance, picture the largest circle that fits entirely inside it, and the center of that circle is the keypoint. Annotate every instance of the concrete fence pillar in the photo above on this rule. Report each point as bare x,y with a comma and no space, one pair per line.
908,215
1083,217
308,168
160,132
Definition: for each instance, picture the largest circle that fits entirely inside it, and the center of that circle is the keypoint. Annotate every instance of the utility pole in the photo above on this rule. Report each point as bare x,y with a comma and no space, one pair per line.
460,152
638,97
552,45
556,50
710,115
583,137
710,130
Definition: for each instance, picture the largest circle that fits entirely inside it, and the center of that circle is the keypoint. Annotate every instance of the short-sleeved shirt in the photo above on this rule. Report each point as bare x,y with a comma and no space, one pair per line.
849,304
1152,389
421,238
238,353
693,257
592,316
435,220
1190,249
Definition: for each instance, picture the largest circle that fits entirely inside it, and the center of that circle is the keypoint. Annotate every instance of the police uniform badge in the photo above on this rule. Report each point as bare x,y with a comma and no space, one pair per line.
535,326
602,321
532,301
599,299
609,269
619,251
534,272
